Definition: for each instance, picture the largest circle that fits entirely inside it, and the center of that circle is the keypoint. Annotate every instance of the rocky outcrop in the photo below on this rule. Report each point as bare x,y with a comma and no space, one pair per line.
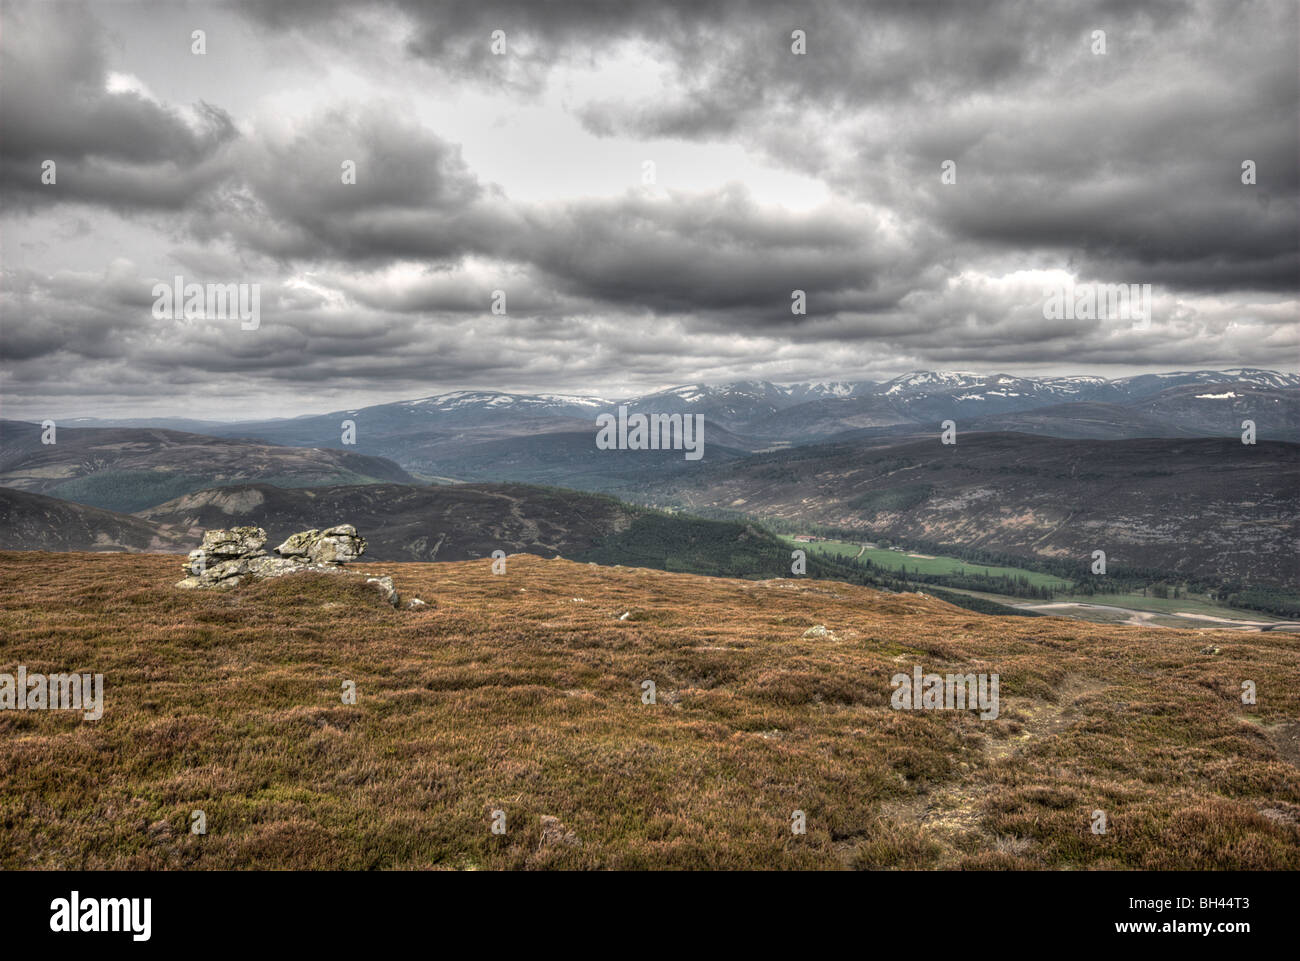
228,557
334,545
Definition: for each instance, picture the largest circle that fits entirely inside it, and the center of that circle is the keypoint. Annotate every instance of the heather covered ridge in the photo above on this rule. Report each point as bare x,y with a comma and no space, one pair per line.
522,693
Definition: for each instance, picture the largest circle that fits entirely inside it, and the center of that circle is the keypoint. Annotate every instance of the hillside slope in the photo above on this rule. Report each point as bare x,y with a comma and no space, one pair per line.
406,522
34,522
126,469
522,693
1210,508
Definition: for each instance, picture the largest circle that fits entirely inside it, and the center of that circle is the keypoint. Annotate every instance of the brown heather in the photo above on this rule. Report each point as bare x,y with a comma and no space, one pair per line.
511,694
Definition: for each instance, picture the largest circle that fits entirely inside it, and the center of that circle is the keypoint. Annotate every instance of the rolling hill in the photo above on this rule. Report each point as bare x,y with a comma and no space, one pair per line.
406,522
125,469
34,522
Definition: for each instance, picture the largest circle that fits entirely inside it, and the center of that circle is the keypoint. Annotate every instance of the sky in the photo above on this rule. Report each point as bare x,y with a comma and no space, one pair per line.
646,183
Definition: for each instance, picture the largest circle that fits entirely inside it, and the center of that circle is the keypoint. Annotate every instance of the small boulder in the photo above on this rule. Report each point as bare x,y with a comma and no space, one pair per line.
554,833
819,630
385,587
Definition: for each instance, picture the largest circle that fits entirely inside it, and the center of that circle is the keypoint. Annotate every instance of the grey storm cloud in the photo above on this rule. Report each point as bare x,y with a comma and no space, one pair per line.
413,195
1117,168
122,151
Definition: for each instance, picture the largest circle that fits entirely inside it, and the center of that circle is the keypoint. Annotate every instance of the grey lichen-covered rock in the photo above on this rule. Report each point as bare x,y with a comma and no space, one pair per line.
224,583
277,566
819,630
228,557
210,572
337,545
334,545
295,545
235,542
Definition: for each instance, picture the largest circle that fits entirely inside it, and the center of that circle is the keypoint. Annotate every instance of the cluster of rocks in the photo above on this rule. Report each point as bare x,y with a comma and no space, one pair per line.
227,557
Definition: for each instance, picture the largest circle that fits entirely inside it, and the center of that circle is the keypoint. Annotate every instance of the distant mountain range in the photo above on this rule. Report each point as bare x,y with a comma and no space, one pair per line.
1149,468
495,436
759,411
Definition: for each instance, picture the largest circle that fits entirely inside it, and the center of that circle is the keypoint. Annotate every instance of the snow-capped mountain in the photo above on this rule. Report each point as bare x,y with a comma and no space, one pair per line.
931,381
1145,385
924,398
821,389
753,414
730,405
467,401
967,386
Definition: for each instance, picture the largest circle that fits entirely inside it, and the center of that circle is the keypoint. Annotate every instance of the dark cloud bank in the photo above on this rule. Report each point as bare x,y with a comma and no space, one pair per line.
1117,168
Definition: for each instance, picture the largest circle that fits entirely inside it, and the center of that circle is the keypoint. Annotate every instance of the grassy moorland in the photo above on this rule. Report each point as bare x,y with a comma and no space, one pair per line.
522,692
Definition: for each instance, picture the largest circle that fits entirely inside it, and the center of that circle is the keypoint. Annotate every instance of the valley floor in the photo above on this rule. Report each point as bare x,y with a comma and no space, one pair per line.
1133,615
1188,611
522,693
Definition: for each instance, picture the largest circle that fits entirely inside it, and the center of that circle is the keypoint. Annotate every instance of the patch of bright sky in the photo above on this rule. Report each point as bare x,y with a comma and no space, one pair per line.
534,147
539,151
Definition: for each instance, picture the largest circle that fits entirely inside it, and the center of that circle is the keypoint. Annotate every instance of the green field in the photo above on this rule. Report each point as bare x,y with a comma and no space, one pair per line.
895,560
